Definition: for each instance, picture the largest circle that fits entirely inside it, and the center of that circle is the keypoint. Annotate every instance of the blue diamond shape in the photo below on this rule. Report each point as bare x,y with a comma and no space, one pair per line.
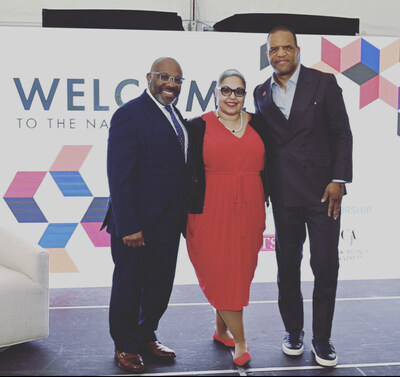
25,210
57,235
96,211
370,55
70,183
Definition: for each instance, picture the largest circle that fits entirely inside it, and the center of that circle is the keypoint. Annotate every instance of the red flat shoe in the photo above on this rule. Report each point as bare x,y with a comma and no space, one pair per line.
225,342
242,360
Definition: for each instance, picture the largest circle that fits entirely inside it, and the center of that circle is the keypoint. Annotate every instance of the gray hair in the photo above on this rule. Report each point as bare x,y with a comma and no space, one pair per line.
229,73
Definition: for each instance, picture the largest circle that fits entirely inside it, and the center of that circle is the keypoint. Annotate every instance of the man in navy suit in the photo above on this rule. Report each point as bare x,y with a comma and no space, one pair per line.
146,167
309,161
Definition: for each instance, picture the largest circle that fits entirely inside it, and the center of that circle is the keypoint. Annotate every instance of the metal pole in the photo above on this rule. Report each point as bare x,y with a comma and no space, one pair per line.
193,18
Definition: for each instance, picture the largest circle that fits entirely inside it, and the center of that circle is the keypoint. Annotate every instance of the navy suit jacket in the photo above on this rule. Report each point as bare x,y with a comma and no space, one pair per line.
146,173
310,148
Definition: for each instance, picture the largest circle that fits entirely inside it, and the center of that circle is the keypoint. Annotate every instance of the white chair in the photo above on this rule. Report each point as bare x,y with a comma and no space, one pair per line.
24,290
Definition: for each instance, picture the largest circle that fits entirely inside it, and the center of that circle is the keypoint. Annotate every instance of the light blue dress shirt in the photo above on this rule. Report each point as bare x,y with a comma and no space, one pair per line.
284,98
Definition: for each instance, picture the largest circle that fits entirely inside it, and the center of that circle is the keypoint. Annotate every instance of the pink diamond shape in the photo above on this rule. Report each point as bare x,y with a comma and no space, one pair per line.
71,158
390,55
25,184
351,55
99,238
389,93
323,67
330,54
369,92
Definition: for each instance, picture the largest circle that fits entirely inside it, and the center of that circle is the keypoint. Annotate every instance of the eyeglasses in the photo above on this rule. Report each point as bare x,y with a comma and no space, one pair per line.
227,91
165,77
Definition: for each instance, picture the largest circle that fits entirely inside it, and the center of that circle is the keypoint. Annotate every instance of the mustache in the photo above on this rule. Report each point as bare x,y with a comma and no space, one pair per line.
170,88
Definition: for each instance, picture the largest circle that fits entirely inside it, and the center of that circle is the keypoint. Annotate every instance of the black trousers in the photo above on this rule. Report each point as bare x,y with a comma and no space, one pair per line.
291,224
142,284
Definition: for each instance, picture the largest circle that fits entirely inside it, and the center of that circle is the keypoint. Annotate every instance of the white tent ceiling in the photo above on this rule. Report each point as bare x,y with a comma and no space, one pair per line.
376,17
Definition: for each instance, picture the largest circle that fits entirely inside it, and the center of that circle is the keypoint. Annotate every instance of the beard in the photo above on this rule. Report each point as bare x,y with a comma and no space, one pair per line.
159,97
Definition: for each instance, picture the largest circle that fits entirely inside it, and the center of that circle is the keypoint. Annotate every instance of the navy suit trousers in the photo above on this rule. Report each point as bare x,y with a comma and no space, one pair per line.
291,224
142,284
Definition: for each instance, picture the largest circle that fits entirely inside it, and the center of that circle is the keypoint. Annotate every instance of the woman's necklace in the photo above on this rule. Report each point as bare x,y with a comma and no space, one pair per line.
230,129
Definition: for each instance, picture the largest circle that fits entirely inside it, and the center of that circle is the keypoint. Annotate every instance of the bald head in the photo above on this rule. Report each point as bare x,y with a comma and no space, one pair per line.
164,61
164,92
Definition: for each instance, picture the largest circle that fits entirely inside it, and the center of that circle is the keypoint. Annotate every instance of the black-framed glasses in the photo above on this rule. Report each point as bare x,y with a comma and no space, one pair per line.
165,77
227,91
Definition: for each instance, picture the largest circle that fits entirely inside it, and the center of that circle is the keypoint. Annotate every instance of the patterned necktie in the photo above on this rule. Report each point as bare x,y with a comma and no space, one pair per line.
178,128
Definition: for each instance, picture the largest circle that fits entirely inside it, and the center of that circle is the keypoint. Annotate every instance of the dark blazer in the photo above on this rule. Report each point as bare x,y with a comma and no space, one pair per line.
146,172
196,128
313,146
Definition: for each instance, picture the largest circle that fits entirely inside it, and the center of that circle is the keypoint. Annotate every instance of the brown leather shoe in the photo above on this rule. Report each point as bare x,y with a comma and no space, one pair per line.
160,351
129,361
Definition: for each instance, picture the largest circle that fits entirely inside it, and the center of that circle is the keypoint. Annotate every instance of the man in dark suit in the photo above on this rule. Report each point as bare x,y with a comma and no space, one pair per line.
309,161
146,169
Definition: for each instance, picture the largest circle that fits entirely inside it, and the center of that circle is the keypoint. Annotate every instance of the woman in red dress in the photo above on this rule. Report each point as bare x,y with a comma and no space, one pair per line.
227,197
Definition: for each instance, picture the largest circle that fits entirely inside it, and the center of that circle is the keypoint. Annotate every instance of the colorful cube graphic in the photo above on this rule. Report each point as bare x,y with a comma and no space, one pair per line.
65,172
367,66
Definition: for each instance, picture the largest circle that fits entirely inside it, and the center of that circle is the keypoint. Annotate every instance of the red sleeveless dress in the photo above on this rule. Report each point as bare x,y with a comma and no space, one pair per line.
223,242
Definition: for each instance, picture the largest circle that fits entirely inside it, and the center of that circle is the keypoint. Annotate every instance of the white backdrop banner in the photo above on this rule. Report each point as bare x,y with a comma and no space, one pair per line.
60,87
